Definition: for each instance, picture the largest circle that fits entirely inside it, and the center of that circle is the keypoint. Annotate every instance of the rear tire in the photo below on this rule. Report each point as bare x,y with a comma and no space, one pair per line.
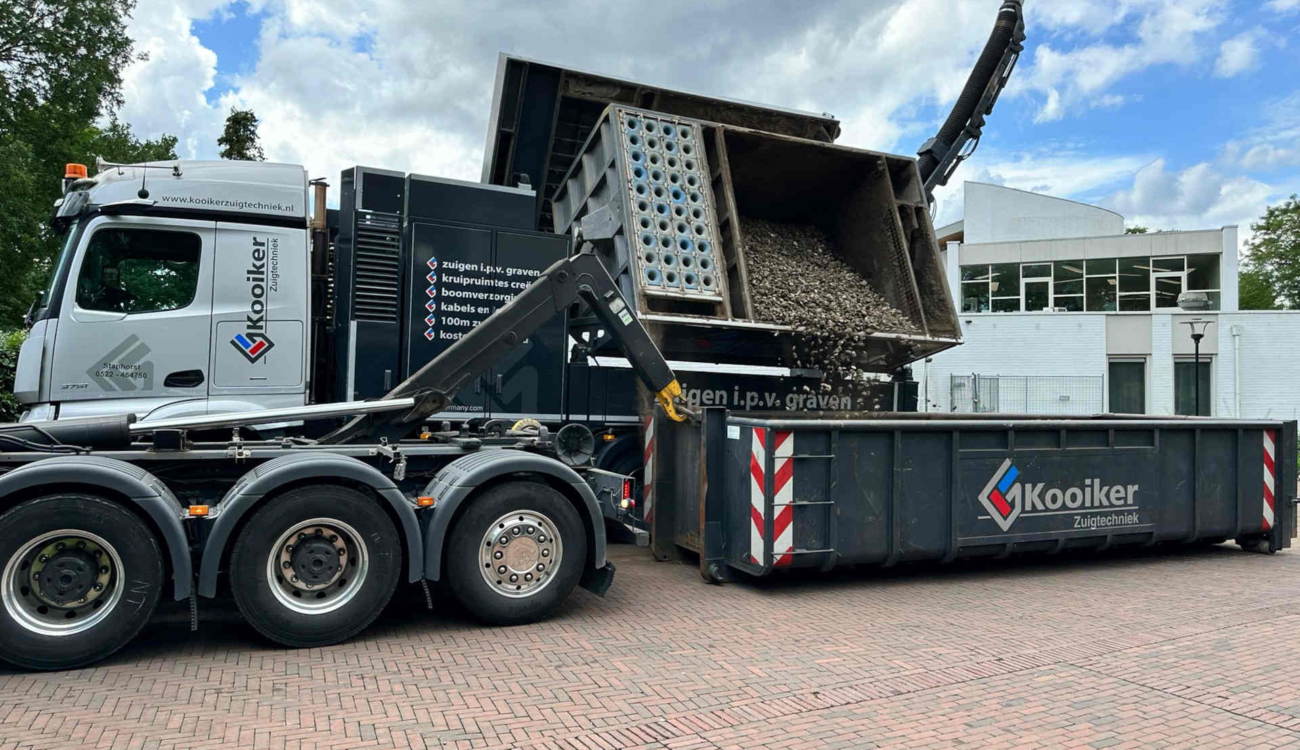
81,577
529,576
315,566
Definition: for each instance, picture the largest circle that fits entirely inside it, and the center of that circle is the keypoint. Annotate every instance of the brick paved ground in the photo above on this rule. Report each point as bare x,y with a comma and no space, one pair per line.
1190,649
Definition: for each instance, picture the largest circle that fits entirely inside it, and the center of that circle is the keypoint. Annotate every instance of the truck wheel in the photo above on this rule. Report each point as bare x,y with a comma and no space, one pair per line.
315,566
516,553
81,577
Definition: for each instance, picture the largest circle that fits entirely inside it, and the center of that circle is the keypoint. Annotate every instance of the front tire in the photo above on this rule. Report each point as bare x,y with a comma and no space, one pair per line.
516,553
81,577
315,566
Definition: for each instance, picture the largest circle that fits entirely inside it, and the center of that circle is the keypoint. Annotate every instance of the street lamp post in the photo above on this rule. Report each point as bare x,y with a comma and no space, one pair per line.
1197,335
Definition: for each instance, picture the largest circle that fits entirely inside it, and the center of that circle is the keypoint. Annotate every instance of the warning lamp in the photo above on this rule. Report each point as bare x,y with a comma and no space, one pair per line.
627,489
74,172
196,511
607,437
425,501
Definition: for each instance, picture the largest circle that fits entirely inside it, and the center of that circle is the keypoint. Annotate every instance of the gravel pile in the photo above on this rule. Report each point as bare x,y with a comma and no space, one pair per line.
796,279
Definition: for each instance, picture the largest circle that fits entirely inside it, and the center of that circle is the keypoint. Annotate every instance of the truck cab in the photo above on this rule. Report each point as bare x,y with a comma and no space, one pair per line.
182,288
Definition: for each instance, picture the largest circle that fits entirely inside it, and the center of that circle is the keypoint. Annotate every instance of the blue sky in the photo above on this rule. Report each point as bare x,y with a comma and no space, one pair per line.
1179,114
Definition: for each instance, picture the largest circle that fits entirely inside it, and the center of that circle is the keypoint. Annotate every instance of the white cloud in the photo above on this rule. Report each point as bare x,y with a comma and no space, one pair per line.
1284,6
1199,197
1059,170
1165,32
408,85
1238,54
1271,145
165,94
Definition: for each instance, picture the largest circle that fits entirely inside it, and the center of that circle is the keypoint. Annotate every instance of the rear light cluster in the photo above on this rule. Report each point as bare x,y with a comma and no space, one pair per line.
627,502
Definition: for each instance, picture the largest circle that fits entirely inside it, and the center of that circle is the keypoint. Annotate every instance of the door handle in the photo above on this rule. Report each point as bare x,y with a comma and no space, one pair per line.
184,379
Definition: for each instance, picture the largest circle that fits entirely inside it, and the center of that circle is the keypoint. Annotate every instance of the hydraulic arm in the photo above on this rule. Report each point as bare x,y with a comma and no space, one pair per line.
579,277
940,156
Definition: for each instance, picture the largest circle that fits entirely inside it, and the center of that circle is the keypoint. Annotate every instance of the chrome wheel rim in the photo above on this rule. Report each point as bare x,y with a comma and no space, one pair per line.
317,566
520,554
62,582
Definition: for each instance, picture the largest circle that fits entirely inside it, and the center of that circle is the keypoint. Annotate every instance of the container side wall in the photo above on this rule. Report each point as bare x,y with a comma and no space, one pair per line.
925,481
926,492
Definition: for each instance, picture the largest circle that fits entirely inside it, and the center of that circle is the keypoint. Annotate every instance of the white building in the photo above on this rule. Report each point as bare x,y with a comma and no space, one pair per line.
1064,313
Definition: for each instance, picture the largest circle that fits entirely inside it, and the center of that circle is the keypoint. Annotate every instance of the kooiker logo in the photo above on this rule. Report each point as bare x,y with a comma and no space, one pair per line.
253,346
253,343
1006,499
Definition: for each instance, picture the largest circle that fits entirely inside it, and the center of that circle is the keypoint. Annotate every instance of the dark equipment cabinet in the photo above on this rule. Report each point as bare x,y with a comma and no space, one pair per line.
367,284
422,260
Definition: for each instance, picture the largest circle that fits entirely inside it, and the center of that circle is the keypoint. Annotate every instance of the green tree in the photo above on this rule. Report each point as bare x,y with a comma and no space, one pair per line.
116,143
239,139
67,55
1274,251
61,65
1136,229
1254,292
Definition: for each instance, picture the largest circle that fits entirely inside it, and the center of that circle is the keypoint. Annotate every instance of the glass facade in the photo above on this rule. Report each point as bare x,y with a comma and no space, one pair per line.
1139,284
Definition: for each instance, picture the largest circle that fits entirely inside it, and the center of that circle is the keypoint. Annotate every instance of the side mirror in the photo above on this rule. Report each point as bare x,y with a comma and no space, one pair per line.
30,318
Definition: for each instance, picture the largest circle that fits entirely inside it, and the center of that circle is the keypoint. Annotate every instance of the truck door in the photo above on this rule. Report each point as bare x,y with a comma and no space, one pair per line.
259,315
134,317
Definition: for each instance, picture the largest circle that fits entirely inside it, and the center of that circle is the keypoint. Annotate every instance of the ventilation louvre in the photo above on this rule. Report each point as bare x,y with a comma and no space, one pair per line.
378,274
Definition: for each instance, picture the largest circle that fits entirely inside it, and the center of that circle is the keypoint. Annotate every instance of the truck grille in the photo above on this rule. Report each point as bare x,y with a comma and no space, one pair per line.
377,281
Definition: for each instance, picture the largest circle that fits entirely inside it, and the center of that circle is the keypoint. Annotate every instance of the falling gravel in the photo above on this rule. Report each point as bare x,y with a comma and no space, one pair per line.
796,279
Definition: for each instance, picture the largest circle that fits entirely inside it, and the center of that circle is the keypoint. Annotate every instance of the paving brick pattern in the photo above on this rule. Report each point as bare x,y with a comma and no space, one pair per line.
1191,649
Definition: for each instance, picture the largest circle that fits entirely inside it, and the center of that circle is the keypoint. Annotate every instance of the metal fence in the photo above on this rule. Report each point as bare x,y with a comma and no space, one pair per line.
1029,394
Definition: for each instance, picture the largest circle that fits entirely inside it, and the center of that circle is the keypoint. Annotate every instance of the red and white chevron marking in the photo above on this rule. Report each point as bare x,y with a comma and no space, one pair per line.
1270,474
757,497
647,486
782,491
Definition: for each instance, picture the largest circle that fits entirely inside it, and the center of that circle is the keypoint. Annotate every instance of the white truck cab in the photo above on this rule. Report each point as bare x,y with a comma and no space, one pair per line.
182,288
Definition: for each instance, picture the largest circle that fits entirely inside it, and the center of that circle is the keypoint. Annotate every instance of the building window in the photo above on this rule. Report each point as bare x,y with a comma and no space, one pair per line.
1128,386
1004,287
1101,286
1203,276
1185,386
1140,284
139,270
1067,285
1036,281
974,289
1167,277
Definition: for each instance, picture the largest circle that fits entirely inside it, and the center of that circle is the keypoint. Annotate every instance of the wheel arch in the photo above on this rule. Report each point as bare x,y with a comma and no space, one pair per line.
467,477
126,484
275,477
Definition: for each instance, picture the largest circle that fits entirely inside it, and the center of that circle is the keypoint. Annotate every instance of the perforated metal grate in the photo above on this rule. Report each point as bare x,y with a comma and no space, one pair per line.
674,225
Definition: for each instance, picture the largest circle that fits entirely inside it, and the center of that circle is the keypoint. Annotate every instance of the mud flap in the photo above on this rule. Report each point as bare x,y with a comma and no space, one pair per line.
598,580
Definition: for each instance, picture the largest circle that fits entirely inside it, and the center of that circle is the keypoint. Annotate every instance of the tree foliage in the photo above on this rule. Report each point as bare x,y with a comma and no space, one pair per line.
239,139
1273,255
61,65
1136,229
65,54
1254,292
